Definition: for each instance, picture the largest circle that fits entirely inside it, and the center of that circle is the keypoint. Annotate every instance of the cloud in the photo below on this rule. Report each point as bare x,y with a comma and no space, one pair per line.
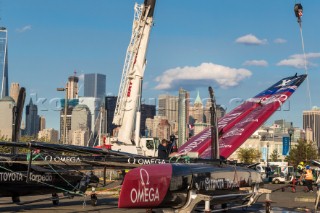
261,63
298,60
204,75
250,39
279,41
81,77
24,29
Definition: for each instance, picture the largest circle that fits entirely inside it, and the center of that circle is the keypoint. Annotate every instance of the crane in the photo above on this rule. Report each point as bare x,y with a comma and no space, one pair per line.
127,111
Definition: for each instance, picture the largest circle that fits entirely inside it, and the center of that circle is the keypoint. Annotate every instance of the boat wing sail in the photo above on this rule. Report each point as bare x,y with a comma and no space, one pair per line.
239,124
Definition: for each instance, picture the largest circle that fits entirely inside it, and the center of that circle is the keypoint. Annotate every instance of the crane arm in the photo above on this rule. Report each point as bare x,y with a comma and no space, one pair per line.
133,71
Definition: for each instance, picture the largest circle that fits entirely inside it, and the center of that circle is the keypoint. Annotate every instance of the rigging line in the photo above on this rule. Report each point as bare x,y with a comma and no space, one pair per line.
58,173
305,65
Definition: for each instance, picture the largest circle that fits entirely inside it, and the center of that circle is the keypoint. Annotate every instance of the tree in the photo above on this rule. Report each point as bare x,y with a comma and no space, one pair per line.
26,138
4,149
274,155
303,151
248,155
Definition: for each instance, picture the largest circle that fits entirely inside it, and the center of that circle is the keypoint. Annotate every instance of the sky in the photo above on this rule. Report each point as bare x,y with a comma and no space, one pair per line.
238,47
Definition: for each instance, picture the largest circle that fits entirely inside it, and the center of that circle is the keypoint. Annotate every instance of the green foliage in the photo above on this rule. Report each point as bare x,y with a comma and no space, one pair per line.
22,139
303,151
274,156
4,149
249,155
27,138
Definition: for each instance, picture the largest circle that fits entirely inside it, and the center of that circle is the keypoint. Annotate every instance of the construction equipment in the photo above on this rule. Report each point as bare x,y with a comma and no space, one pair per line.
127,113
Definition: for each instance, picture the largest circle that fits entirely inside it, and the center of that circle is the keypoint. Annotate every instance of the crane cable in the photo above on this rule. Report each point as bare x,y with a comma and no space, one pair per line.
304,53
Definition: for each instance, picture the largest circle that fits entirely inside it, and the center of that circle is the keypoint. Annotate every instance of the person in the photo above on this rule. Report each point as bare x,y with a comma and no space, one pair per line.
309,178
301,168
268,171
163,149
172,145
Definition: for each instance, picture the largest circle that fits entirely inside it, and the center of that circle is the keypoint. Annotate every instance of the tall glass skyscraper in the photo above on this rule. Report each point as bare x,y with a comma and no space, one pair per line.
4,90
32,119
183,116
95,85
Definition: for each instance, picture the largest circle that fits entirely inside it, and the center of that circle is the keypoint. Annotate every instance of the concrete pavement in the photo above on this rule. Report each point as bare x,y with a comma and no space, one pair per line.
281,202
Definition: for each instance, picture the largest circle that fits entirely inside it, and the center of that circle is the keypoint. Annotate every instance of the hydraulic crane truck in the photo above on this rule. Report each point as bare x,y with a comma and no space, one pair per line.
127,112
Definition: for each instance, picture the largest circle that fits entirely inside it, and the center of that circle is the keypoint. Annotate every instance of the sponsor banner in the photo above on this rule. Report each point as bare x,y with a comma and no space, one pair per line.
51,158
19,177
197,143
264,153
285,145
146,186
146,161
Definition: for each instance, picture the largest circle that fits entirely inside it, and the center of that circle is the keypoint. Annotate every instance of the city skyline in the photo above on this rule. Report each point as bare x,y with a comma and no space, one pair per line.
239,54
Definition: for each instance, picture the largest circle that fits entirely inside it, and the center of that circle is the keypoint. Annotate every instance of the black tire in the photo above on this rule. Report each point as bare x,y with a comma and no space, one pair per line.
276,181
55,202
16,199
94,200
268,207
55,199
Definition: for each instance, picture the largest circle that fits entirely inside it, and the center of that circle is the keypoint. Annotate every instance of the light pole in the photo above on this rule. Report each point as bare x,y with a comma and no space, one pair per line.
267,152
290,132
65,114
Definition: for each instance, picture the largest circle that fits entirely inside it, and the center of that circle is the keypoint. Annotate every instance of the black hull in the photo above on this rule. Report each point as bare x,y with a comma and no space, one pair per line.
170,185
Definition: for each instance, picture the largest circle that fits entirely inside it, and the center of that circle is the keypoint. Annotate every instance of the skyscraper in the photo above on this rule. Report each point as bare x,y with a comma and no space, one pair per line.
147,111
48,135
94,105
110,106
183,131
32,119
4,91
197,110
311,121
94,85
42,123
72,86
81,122
168,107
66,138
207,113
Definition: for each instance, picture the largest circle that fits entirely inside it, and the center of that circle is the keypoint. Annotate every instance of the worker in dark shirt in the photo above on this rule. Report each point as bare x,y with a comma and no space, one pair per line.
163,149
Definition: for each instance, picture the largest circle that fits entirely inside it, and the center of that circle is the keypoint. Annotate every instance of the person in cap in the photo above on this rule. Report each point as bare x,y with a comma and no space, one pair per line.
308,178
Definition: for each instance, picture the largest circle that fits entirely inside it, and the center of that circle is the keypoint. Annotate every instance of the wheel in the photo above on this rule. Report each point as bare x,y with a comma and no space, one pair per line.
245,207
94,200
268,207
55,199
276,181
16,199
55,202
